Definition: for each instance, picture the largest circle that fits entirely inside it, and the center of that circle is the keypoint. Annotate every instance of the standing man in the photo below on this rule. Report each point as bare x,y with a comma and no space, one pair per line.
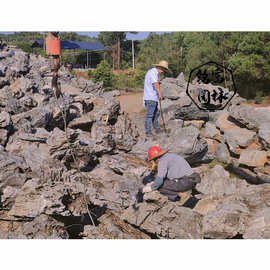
152,95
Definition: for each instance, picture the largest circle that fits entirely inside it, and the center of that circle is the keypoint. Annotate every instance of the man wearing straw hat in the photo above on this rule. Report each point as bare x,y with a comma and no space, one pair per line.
152,95
175,178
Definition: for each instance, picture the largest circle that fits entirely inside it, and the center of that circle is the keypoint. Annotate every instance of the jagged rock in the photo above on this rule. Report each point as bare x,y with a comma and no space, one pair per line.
164,219
102,136
12,170
217,181
190,113
125,133
183,141
44,227
117,192
258,226
84,122
210,130
170,89
112,227
180,80
226,221
264,134
222,121
111,94
3,136
253,158
37,135
123,163
249,116
196,123
222,153
35,199
238,137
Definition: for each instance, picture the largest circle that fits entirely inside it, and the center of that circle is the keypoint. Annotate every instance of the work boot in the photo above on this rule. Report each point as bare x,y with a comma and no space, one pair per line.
184,196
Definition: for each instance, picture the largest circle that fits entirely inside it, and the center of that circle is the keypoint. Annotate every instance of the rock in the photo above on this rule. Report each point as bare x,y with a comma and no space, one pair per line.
84,122
253,158
3,136
112,227
190,113
264,134
226,221
125,133
35,198
222,153
238,137
183,141
249,116
5,120
223,123
217,181
37,135
164,219
44,227
210,130
258,226
212,145
180,80
12,170
196,123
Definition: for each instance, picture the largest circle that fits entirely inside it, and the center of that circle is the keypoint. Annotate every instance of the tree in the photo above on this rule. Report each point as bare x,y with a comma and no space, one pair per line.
113,40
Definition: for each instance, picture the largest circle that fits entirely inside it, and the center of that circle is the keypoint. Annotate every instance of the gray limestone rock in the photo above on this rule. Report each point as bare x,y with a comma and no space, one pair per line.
217,181
156,215
223,154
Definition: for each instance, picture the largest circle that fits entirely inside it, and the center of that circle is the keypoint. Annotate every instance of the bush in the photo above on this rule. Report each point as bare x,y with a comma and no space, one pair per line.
103,73
259,97
129,79
25,47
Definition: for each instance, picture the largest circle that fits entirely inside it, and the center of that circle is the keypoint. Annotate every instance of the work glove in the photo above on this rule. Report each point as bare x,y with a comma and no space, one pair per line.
147,188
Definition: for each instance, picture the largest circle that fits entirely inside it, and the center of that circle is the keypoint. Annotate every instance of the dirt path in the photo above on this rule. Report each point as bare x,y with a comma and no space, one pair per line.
131,103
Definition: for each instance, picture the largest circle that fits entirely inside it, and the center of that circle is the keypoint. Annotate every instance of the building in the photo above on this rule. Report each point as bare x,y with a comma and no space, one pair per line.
89,54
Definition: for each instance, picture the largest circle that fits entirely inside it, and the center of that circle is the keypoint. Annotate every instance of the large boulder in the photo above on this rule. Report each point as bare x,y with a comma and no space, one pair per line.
249,116
218,181
238,137
163,219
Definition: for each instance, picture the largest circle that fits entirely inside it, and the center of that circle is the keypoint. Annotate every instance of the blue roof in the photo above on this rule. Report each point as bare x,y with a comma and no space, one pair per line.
75,45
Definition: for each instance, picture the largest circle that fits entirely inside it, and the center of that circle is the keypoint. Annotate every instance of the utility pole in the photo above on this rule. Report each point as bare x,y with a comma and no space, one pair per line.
133,62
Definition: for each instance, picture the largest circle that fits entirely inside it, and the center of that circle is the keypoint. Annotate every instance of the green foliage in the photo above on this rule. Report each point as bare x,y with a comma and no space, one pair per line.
259,97
129,80
103,73
25,47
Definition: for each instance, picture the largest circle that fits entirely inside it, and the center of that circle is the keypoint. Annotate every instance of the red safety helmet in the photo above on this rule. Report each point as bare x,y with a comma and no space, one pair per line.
155,152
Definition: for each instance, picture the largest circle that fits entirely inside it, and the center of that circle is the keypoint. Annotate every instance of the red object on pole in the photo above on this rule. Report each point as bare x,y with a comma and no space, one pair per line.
53,46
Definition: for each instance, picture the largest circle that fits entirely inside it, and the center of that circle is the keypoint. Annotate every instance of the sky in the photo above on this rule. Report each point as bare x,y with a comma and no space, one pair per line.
139,36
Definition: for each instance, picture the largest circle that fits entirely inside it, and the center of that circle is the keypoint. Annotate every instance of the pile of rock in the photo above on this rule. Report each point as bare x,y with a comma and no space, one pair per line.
52,177
232,204
49,176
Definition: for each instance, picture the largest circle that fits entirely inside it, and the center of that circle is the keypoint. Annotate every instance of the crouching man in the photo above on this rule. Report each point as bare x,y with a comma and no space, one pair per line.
175,178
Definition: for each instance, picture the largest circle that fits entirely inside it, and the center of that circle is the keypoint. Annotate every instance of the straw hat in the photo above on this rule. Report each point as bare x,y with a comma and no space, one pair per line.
163,64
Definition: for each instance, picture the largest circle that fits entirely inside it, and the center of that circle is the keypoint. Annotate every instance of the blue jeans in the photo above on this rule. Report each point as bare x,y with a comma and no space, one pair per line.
152,114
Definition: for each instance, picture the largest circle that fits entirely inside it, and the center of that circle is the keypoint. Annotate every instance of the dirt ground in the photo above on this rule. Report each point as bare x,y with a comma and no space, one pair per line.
265,103
132,103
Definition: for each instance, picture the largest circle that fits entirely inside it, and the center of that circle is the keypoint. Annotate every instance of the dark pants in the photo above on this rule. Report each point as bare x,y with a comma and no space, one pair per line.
170,188
152,115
